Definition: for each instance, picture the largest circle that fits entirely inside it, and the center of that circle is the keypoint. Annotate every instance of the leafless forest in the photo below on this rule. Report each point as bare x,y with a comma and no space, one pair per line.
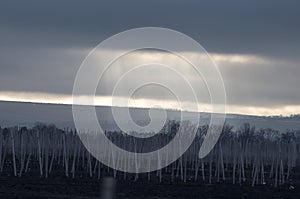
242,156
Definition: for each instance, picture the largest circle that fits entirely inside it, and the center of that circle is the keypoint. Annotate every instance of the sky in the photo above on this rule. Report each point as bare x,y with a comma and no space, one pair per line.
255,44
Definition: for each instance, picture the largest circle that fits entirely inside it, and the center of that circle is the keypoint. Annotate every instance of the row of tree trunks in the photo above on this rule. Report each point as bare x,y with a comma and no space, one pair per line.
241,156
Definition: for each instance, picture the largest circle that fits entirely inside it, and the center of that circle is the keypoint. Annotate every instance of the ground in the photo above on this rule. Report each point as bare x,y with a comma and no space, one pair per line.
62,187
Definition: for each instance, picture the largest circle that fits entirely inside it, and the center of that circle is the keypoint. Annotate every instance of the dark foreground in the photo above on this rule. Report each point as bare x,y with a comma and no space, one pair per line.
266,163
30,187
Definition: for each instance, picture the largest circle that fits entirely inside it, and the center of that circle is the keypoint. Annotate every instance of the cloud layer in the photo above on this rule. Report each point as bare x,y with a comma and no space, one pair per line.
255,44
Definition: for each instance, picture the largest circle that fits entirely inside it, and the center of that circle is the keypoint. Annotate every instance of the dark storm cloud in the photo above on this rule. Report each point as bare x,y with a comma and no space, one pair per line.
264,27
37,38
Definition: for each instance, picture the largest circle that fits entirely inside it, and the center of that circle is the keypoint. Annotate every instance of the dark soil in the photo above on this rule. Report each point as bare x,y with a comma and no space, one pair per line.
58,187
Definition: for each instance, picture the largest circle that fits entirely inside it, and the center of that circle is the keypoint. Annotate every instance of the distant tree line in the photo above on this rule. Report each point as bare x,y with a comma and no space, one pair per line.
242,156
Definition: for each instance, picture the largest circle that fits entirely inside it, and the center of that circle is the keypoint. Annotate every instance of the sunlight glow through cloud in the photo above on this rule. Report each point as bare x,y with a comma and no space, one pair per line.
144,103
222,60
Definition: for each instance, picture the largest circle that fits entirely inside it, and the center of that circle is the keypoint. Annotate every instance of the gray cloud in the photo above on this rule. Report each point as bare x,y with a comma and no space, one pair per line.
37,40
263,27
271,84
